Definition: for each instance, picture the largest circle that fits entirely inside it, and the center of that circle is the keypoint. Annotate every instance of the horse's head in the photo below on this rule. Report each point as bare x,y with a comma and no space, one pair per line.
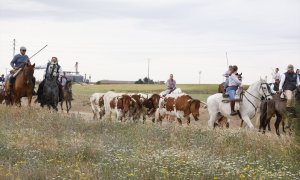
239,76
28,71
265,90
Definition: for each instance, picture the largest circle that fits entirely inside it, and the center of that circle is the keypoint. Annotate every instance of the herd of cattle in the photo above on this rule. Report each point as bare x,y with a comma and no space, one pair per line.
138,106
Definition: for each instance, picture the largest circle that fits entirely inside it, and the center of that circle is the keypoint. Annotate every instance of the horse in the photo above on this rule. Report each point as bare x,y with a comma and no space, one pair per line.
50,96
252,97
175,91
221,88
22,87
67,96
268,109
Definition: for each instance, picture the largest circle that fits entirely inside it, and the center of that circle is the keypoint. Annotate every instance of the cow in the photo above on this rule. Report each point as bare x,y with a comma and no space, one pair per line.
122,105
179,105
151,105
97,104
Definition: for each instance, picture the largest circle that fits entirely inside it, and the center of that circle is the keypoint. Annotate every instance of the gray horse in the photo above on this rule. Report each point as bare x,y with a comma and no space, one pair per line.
50,95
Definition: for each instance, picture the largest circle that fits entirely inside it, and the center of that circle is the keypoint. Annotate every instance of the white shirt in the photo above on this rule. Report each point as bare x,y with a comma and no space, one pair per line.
283,79
44,66
276,76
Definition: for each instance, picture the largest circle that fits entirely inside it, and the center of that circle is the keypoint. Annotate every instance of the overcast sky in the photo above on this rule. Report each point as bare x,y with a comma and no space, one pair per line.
113,39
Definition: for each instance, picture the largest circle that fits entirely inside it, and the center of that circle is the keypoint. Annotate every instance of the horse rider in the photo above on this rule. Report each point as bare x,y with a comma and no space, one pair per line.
276,74
233,84
226,75
2,79
18,63
63,81
275,86
171,85
288,84
56,69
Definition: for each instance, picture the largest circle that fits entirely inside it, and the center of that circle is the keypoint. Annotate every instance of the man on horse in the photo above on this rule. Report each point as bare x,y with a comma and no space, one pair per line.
17,63
233,84
171,85
226,75
64,82
288,84
55,69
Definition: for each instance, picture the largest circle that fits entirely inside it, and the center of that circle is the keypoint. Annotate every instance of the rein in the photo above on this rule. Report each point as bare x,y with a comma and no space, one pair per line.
243,94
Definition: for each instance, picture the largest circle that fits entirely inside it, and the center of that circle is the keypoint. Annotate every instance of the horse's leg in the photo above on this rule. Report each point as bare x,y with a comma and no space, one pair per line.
29,100
269,127
212,119
61,105
248,122
242,122
277,123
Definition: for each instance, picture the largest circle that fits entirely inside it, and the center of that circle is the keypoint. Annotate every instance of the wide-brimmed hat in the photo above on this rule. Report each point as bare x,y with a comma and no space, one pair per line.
290,67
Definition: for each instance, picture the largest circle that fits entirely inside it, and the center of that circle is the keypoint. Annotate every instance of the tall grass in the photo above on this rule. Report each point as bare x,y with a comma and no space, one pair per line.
37,144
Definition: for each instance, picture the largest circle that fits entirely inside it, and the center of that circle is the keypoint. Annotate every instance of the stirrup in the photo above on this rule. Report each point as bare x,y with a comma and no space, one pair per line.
225,95
233,113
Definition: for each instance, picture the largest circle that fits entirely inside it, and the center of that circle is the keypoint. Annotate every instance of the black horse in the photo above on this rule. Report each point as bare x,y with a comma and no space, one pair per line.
50,96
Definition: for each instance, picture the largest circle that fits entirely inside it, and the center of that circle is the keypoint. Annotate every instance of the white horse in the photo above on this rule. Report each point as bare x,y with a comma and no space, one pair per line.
176,91
251,99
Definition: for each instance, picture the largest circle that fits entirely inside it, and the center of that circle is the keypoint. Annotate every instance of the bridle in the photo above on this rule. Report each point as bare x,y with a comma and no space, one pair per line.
260,99
27,74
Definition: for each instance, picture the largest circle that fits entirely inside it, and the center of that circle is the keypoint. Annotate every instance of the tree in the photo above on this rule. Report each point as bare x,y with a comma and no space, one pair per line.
140,81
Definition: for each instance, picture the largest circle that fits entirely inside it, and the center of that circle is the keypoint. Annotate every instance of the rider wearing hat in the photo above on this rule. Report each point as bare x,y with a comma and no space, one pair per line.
288,84
16,63
56,70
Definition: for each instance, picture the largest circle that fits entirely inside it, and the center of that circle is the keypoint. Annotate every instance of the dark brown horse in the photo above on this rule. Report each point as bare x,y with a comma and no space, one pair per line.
67,96
23,86
268,109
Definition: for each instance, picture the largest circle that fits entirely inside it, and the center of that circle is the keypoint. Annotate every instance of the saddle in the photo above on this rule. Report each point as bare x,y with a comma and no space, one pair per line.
238,98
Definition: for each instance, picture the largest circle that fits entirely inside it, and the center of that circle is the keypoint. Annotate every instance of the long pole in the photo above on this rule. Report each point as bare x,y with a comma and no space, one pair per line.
14,50
227,59
38,51
148,69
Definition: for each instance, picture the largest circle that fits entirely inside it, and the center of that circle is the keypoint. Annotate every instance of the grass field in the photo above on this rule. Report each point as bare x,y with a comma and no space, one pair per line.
38,144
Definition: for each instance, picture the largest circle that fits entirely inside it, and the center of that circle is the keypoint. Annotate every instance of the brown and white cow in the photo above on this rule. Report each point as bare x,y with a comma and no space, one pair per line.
182,106
122,105
97,104
151,104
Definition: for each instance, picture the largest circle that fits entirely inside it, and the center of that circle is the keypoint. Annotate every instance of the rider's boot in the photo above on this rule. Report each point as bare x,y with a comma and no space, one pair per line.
233,112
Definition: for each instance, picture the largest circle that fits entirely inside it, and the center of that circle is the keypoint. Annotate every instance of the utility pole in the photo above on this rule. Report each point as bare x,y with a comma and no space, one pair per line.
14,48
200,76
148,69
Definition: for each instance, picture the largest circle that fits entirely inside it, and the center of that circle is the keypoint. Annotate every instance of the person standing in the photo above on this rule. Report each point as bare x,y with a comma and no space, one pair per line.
276,75
288,84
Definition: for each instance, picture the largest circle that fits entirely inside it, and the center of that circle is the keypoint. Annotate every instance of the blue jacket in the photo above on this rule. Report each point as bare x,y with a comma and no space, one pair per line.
18,60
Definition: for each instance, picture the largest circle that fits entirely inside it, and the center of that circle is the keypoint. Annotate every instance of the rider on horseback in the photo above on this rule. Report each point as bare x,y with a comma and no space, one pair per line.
226,75
64,82
56,70
171,85
18,63
233,84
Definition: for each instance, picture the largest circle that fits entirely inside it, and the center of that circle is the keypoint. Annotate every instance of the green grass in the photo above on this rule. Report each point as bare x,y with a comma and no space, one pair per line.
36,144
144,88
